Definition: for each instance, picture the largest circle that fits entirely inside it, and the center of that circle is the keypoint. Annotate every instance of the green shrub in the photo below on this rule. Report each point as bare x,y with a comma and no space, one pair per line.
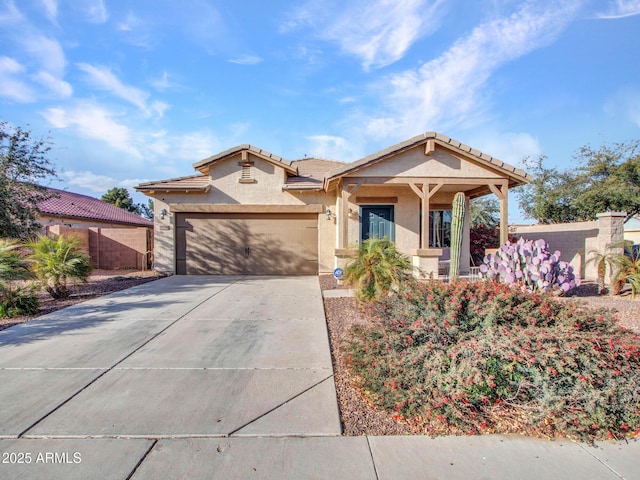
17,301
55,260
481,357
377,269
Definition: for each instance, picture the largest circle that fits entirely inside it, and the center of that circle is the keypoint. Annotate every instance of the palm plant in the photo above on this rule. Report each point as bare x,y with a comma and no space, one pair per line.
627,269
15,299
601,260
377,269
55,260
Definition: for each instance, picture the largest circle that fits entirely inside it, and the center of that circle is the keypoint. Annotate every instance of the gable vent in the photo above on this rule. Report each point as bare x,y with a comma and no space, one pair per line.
245,176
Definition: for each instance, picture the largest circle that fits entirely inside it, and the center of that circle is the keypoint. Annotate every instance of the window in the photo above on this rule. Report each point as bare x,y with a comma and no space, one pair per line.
440,228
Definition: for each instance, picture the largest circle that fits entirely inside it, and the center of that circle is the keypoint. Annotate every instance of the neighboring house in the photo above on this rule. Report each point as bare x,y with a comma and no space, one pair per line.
81,211
249,211
112,237
632,229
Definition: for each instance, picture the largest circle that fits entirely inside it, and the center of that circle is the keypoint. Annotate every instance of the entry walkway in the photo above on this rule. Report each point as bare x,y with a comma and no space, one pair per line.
222,377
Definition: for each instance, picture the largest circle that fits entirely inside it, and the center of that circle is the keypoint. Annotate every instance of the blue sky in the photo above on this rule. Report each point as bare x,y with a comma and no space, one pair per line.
131,91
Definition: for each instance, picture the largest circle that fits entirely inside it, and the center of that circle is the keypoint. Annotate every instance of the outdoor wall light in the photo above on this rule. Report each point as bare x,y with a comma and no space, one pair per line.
163,213
327,213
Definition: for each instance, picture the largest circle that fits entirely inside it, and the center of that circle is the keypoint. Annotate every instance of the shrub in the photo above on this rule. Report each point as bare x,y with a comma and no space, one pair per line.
483,357
378,269
531,265
16,301
55,260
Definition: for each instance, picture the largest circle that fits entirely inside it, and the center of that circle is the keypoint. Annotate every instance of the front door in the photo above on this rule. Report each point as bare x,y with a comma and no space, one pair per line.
377,222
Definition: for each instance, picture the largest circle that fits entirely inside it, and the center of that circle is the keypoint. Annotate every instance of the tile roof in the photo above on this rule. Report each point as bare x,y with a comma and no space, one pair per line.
74,205
192,183
311,173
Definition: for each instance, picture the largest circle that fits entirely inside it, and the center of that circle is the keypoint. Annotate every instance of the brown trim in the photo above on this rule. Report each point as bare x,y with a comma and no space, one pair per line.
377,200
238,208
422,180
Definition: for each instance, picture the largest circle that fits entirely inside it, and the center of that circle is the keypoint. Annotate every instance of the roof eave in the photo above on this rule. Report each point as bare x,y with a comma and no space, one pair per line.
203,165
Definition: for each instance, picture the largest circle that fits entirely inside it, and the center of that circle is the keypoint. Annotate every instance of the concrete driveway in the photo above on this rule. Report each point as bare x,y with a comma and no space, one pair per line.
180,357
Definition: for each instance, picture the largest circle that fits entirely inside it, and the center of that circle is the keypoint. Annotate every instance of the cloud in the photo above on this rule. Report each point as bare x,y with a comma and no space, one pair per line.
378,32
102,77
97,183
94,10
510,147
10,85
47,51
246,60
51,9
447,91
333,148
161,84
10,14
625,103
621,9
95,122
58,86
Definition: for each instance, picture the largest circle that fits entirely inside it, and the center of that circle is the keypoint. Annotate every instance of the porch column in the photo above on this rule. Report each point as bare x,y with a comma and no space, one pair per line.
343,233
425,216
502,192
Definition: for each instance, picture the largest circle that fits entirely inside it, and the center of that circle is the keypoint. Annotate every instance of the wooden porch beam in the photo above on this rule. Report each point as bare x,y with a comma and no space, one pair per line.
432,192
416,189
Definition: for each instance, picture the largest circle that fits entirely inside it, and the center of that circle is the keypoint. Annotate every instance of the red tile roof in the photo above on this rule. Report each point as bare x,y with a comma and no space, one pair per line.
74,205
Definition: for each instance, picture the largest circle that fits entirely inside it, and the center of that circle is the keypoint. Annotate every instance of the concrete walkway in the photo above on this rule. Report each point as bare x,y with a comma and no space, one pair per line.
223,377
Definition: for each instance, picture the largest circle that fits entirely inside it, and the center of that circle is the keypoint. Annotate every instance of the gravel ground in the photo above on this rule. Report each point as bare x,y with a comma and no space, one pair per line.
101,282
359,418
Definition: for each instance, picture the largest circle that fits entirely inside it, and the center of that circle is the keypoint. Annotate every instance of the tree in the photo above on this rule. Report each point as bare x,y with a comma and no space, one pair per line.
120,197
607,179
484,211
23,167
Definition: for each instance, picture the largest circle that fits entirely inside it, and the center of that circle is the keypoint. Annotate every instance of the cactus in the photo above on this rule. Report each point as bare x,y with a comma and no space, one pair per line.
531,265
457,221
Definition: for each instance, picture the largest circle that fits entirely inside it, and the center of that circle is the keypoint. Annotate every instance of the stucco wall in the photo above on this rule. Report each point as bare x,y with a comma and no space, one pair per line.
414,163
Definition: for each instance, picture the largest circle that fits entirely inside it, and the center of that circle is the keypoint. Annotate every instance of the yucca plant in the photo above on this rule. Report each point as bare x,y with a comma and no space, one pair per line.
377,269
15,299
56,260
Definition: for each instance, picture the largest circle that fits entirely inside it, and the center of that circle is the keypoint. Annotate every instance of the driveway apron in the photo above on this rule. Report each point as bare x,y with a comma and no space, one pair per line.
180,357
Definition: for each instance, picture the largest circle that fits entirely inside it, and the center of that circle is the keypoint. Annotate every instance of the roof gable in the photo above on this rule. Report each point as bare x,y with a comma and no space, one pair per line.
74,205
430,141
245,149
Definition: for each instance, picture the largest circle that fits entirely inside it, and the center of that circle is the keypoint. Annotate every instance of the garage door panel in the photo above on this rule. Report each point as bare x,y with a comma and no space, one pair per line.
260,244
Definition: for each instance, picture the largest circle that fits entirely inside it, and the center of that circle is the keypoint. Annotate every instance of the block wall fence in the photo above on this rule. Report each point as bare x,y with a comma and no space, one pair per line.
576,241
113,248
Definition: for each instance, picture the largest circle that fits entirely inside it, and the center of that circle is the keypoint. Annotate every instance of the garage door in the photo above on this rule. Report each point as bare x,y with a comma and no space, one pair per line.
251,243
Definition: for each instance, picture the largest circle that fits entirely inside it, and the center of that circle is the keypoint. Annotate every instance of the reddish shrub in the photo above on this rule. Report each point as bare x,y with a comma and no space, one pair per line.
468,356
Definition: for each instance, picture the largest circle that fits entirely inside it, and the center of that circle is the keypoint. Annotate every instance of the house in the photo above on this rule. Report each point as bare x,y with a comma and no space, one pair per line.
632,229
81,211
248,211
113,238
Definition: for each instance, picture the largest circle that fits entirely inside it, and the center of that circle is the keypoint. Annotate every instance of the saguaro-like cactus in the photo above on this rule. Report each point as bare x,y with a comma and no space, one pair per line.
457,221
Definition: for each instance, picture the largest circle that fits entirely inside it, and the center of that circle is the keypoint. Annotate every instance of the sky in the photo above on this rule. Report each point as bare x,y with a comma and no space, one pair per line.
133,91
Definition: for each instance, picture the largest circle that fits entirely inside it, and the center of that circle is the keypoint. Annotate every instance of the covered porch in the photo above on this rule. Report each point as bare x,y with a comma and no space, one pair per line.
389,193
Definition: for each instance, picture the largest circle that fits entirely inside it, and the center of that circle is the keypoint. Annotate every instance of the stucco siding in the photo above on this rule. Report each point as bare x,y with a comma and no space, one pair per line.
414,163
